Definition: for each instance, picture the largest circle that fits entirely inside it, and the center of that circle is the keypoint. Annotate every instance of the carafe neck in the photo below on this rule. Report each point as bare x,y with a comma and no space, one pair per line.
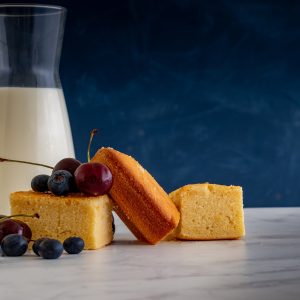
30,46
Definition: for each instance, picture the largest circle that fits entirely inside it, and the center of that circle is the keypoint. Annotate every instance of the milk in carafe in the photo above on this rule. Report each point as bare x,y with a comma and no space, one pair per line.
21,109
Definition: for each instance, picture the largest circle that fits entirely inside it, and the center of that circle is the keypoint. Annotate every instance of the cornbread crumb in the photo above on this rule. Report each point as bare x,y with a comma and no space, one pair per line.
61,217
209,212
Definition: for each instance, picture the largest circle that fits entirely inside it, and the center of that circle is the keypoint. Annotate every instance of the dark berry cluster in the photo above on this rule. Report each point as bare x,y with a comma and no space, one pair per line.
70,176
51,249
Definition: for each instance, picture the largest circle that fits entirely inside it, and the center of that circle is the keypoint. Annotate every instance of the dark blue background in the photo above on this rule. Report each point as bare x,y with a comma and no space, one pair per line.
195,90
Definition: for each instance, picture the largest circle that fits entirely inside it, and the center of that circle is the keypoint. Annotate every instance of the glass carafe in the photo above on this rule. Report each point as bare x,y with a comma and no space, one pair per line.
34,123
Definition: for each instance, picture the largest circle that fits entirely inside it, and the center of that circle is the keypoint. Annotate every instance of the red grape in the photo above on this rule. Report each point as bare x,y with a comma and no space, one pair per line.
14,227
67,164
93,179
9,227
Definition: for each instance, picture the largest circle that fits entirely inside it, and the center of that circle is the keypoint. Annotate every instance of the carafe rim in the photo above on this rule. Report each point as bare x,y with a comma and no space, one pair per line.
49,9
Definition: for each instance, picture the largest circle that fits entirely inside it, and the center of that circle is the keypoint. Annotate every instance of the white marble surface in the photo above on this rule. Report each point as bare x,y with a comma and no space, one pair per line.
264,265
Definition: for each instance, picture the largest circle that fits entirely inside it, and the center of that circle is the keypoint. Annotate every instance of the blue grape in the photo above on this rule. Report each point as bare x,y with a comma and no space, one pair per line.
73,245
50,249
61,182
36,245
39,183
14,245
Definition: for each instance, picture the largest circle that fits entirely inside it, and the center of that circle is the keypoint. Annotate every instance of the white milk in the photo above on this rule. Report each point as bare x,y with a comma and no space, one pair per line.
34,126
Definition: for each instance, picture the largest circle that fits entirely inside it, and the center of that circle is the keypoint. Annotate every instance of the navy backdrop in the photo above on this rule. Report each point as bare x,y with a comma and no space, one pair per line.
195,90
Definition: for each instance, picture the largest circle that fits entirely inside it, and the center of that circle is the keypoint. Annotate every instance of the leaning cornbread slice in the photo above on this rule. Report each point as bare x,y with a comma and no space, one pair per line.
138,199
63,216
209,212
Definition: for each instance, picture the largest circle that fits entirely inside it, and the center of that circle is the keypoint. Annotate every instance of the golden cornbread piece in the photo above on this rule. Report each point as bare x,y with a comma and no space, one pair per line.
138,199
63,216
209,212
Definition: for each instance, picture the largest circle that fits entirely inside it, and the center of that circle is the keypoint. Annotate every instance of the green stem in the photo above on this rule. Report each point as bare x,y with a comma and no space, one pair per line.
20,215
24,162
93,132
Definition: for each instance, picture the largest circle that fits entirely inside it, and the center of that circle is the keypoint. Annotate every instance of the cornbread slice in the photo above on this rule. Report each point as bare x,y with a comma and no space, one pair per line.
209,212
138,199
61,217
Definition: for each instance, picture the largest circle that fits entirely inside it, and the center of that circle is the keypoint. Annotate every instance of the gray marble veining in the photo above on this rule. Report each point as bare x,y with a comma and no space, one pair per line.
264,265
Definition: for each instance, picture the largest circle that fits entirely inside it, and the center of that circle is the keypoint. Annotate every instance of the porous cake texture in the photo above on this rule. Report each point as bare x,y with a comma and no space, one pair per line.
209,212
138,199
63,216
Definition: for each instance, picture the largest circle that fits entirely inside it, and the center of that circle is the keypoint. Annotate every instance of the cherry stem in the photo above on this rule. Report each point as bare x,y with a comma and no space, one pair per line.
93,132
20,215
24,162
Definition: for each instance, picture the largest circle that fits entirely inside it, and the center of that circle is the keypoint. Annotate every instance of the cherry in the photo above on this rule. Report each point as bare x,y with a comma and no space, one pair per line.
67,164
14,226
93,179
9,227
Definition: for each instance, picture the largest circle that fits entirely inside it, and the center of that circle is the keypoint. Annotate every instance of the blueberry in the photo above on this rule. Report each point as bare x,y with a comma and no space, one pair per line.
113,224
61,182
50,249
39,183
73,245
36,245
14,245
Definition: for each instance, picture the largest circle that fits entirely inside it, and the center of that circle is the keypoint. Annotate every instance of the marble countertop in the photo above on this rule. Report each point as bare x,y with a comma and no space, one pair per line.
264,265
